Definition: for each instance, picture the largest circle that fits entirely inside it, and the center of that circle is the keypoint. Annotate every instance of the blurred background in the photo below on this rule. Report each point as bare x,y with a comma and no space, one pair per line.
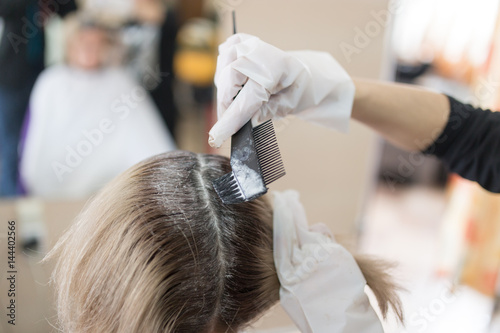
89,88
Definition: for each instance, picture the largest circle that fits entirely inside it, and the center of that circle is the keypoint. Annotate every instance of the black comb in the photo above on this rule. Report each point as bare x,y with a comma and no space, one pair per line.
255,161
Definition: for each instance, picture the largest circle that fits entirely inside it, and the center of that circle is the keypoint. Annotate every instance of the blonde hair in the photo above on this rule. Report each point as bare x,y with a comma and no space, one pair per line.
157,251
75,23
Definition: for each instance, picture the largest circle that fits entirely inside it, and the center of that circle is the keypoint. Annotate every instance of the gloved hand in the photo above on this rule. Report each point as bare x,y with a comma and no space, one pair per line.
322,287
308,84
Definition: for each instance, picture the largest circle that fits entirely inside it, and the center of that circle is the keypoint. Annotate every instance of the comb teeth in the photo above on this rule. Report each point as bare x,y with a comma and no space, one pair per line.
228,189
268,153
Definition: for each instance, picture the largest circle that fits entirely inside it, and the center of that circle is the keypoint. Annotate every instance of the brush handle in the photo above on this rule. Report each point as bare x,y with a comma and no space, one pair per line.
234,22
245,182
245,163
243,147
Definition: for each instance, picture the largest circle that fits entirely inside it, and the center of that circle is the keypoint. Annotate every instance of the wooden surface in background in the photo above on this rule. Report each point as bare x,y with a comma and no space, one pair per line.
35,310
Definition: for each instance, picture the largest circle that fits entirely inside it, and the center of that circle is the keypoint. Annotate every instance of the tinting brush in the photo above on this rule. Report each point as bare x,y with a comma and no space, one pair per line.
255,162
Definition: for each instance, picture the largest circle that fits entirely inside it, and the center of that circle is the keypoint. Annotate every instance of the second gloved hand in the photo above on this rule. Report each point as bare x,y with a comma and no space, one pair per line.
322,286
308,84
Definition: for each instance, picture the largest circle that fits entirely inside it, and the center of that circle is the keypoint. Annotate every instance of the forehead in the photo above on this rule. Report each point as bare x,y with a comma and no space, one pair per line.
92,33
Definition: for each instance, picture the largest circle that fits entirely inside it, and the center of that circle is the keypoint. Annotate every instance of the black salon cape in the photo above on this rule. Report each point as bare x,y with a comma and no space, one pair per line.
470,144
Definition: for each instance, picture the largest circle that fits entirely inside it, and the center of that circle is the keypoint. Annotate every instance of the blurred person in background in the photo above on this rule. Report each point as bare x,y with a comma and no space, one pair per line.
151,36
21,60
87,121
148,30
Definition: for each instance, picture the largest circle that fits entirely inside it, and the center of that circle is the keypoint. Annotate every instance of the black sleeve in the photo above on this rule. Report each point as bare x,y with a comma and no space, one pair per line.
470,144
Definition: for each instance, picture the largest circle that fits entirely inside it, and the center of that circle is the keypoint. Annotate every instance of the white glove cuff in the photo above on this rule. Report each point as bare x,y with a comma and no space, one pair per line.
331,91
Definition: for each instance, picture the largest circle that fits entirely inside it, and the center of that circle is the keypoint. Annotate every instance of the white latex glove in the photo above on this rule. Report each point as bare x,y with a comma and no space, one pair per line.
322,287
308,84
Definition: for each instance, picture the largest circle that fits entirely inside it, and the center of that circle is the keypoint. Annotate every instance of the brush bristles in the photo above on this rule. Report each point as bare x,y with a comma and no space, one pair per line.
228,189
268,153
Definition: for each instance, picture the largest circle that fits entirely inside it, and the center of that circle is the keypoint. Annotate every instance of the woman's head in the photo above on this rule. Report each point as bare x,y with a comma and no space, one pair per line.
157,251
88,43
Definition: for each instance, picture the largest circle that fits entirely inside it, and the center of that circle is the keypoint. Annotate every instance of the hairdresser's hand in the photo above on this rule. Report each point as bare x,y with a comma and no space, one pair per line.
322,287
311,85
